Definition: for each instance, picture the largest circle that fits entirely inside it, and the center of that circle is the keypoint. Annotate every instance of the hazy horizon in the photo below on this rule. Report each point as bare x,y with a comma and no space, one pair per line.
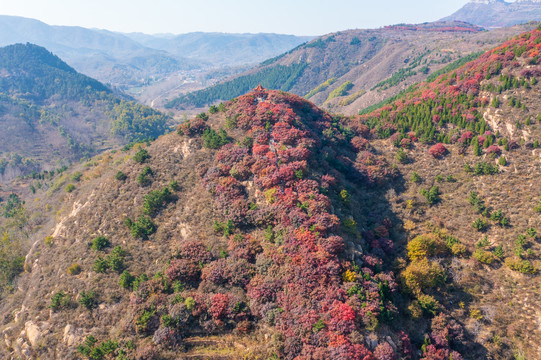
314,17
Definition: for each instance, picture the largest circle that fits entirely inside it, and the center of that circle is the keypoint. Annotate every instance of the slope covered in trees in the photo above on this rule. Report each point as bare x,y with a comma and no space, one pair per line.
48,108
21,64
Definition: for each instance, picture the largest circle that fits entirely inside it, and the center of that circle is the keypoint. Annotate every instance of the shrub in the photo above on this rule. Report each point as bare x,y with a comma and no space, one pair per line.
458,249
156,200
98,352
432,195
174,185
74,269
12,206
415,177
521,240
214,140
476,314
88,299
480,224
100,265
438,151
483,256
523,266
138,281
115,260
401,156
345,197
100,243
120,176
141,156
126,280
60,300
226,228
70,188
203,116
196,251
531,232
498,252
318,326
76,176
143,178
142,228
428,304
484,168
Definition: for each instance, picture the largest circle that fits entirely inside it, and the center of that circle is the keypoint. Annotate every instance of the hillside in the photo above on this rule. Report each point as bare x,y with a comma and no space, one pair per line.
348,71
267,228
498,13
51,115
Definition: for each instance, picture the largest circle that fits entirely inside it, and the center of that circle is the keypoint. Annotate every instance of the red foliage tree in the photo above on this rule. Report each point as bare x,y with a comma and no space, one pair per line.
438,151
183,270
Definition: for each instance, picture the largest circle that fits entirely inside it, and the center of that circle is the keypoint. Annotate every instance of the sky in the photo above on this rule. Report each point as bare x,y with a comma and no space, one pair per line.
299,17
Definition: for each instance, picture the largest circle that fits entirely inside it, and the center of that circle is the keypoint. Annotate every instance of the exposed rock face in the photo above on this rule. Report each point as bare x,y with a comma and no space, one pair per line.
498,13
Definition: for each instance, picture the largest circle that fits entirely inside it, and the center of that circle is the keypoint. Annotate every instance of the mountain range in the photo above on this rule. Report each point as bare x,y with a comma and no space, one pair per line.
267,227
348,71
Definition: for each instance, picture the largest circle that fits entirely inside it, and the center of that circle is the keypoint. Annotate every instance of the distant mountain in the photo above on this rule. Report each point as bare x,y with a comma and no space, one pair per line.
132,61
110,57
222,48
498,13
51,115
350,70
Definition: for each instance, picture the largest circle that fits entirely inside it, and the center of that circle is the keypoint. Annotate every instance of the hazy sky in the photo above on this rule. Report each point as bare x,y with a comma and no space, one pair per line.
301,17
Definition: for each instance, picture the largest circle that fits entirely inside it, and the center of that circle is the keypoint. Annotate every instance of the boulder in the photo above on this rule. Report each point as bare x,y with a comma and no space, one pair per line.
33,333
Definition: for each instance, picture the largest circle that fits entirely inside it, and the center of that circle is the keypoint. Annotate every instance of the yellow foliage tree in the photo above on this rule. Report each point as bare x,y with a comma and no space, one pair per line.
425,245
422,274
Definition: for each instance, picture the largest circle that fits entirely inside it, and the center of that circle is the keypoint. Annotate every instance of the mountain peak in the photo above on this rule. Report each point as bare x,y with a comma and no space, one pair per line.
498,13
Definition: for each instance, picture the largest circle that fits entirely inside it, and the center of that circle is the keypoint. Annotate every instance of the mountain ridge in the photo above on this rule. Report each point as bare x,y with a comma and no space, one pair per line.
290,233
